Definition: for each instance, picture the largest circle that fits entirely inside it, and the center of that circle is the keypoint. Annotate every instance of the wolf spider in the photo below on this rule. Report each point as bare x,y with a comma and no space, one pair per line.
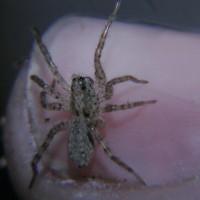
87,100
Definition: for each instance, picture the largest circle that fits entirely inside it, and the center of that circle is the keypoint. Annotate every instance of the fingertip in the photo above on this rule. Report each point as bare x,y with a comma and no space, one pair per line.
21,138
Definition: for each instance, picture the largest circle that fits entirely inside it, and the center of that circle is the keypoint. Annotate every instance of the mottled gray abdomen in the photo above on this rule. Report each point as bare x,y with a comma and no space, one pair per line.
80,142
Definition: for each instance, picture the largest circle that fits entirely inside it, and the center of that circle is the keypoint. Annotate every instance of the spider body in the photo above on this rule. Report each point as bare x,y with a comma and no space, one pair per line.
87,101
84,108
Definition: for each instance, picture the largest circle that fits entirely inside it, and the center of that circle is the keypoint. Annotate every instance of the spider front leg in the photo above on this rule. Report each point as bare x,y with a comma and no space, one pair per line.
115,159
99,72
114,81
57,128
51,64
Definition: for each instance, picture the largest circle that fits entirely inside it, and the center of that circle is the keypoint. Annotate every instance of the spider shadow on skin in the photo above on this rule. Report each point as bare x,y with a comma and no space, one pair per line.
126,119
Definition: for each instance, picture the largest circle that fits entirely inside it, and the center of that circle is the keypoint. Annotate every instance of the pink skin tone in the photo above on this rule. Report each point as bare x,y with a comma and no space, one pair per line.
160,142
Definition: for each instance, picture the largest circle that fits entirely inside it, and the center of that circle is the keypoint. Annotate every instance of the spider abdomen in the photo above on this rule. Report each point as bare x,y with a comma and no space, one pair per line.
80,142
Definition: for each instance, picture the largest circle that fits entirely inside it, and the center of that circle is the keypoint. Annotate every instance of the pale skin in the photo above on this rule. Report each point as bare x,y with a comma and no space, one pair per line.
148,60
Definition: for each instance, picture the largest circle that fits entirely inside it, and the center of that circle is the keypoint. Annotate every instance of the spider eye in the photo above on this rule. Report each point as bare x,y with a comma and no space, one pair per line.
81,83
80,78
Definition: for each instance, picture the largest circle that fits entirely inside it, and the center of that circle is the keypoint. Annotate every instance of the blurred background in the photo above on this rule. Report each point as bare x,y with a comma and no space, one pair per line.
18,17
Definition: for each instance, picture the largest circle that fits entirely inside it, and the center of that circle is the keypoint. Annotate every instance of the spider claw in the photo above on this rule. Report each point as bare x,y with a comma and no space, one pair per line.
31,182
35,172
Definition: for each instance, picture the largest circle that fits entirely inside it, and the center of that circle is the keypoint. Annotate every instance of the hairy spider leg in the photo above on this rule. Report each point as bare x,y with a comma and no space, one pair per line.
57,128
99,72
121,79
49,60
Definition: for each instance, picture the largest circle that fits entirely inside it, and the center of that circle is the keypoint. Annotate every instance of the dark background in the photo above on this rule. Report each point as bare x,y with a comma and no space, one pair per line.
18,17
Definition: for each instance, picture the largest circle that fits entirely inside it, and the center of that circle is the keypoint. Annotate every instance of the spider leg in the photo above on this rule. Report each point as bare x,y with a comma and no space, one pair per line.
57,128
99,72
46,88
114,81
115,159
49,60
112,107
50,105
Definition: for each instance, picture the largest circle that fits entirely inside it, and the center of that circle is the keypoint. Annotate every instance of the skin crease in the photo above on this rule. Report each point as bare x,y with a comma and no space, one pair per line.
160,142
